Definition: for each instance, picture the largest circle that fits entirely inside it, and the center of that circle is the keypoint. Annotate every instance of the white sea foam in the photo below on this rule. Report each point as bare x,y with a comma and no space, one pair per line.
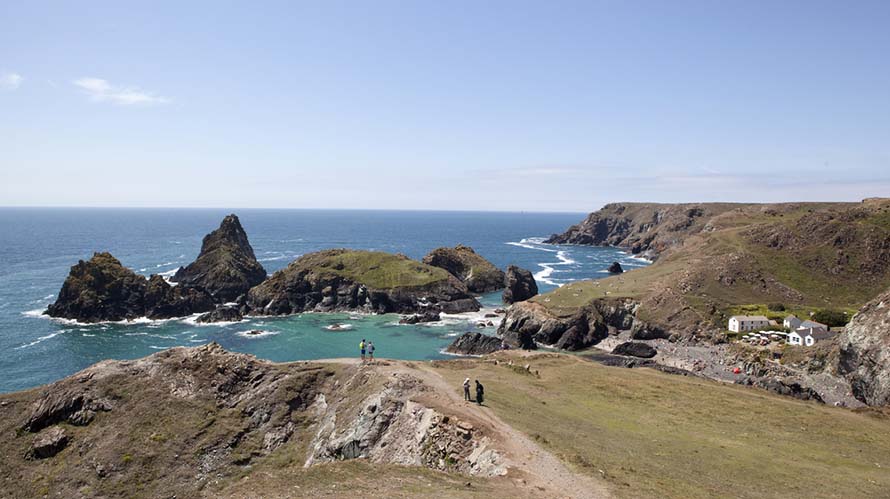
258,334
339,327
155,347
548,270
37,312
43,338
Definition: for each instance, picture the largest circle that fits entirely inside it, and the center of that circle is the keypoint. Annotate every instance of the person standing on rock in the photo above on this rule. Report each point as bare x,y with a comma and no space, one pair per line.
361,346
480,392
467,389
371,351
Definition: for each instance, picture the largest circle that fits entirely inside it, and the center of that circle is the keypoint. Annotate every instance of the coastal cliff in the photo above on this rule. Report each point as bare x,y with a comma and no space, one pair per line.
369,281
865,352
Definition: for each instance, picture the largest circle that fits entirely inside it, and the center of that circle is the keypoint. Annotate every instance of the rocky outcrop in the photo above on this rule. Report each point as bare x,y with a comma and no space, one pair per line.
615,268
226,267
427,316
48,443
367,281
102,289
865,352
586,327
221,314
644,228
635,349
475,344
390,427
783,387
520,285
479,275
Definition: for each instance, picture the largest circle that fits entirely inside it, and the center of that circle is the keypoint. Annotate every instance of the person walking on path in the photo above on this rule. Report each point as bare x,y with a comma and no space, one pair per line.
480,393
371,350
361,346
467,389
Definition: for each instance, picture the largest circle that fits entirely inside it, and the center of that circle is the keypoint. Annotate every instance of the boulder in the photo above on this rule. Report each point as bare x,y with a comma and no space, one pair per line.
615,268
48,443
479,275
520,285
221,314
226,266
783,387
864,357
635,349
475,344
426,316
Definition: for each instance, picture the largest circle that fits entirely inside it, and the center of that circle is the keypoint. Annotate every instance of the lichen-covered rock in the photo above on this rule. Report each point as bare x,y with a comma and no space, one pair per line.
520,285
48,443
475,344
586,327
353,280
102,289
865,352
479,275
226,267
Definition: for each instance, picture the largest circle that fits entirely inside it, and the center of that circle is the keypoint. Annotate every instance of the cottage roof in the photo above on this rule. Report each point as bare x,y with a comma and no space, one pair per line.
809,323
750,318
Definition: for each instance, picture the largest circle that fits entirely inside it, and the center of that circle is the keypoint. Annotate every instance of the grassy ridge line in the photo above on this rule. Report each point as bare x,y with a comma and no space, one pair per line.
375,269
655,435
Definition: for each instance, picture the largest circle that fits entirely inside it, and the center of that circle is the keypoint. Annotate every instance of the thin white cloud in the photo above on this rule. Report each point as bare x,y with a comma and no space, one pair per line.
100,90
10,81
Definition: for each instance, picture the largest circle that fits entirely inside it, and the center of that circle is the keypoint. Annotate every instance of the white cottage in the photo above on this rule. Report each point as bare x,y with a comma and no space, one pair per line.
808,336
791,322
740,323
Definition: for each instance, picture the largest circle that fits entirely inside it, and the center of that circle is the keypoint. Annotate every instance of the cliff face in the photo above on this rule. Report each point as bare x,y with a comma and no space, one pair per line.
479,275
344,280
520,285
865,352
643,228
226,267
530,323
186,421
101,289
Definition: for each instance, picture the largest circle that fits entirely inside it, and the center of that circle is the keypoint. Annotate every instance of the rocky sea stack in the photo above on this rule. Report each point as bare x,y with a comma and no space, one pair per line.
479,275
353,280
226,267
520,285
102,289
615,268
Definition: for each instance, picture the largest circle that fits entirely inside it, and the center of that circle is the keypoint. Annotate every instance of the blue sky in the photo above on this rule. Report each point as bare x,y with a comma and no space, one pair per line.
537,106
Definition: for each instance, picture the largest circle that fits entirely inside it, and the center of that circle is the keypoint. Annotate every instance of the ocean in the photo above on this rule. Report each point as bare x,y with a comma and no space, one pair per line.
39,245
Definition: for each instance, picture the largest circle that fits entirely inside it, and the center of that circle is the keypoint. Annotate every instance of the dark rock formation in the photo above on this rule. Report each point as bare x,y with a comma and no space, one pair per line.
586,327
783,387
221,314
48,443
474,344
352,280
644,228
520,285
479,275
102,289
426,316
226,266
635,349
644,331
615,268
865,352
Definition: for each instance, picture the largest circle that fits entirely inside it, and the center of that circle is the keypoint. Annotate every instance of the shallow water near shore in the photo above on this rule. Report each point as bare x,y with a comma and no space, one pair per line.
40,245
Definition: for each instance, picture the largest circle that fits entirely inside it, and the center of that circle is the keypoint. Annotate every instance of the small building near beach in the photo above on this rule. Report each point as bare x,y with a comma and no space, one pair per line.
739,323
809,336
791,322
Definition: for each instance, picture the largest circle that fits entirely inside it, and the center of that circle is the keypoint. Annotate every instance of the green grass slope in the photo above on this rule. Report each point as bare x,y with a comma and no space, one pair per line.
375,269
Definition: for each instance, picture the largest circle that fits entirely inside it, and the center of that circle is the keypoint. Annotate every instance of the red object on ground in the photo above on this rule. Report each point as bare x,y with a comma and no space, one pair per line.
736,370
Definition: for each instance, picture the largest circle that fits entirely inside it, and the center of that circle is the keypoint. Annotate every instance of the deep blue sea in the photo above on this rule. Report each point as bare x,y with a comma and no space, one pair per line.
38,246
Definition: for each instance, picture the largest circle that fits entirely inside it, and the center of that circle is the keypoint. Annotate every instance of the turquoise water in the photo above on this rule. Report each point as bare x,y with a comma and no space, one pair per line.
39,246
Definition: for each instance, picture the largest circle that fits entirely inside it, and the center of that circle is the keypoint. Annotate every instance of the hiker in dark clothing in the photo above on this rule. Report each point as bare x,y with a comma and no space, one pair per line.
480,392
